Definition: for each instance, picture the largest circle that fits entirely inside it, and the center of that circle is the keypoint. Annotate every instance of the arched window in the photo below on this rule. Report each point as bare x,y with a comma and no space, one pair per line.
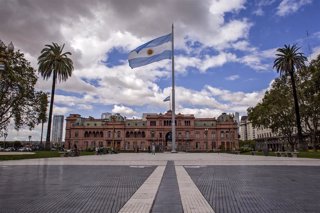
127,134
143,134
222,134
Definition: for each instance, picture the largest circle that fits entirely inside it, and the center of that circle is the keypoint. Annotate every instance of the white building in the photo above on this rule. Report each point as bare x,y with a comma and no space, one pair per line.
237,118
57,128
247,131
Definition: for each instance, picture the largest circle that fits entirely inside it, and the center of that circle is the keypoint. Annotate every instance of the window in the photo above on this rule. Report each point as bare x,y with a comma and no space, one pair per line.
168,122
198,145
179,135
76,134
187,123
153,123
109,134
213,135
197,135
118,134
160,135
221,134
187,134
152,134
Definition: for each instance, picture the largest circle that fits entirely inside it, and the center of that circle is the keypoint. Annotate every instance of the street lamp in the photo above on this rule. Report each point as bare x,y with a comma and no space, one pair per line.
206,133
4,54
29,139
4,138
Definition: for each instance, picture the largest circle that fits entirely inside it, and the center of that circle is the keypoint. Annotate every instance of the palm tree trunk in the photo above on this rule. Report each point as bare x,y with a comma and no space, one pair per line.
50,111
41,134
297,112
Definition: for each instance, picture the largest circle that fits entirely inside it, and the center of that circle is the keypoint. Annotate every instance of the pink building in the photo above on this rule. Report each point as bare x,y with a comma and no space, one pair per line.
192,134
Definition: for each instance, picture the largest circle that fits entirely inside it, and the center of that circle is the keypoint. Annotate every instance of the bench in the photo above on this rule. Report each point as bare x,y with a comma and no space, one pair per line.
69,153
287,154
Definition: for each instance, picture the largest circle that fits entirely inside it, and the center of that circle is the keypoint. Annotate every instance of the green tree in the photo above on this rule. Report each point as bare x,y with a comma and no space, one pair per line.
287,62
19,102
276,111
54,62
43,113
309,90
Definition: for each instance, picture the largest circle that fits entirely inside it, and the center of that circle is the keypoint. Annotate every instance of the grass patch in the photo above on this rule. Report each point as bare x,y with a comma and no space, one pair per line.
87,153
258,153
38,154
309,154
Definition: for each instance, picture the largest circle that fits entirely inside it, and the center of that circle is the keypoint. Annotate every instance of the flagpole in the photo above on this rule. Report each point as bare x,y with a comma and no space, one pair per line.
173,150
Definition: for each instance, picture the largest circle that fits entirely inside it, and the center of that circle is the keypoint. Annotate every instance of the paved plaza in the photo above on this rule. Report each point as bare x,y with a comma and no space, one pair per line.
161,183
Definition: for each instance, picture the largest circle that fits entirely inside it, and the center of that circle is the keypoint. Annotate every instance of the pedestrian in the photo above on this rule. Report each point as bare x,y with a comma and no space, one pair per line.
153,149
97,150
149,149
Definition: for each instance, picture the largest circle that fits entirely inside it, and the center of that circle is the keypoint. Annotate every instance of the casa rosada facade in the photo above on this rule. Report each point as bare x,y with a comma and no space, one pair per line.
120,133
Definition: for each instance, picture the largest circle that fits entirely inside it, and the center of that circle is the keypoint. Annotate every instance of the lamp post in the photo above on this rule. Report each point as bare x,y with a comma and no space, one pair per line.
29,139
4,139
206,133
136,135
4,51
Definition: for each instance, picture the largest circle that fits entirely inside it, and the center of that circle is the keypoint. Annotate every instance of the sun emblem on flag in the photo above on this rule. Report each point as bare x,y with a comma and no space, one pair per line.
150,51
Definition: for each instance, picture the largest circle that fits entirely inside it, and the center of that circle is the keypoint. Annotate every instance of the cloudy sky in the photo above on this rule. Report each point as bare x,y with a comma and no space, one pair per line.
224,51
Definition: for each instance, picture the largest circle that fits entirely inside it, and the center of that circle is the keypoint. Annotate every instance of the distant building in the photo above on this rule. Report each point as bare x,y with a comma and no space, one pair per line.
57,128
120,133
247,131
237,118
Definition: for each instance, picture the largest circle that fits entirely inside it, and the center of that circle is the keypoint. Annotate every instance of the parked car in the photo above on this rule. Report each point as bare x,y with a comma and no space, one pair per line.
9,149
1,149
25,149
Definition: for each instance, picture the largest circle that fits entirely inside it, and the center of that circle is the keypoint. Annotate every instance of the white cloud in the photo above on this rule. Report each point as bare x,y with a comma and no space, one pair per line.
315,53
287,7
236,98
123,110
256,60
232,77
216,61
201,113
220,7
260,5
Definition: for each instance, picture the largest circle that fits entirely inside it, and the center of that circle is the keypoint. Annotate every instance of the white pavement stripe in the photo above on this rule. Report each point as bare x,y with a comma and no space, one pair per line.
191,198
141,201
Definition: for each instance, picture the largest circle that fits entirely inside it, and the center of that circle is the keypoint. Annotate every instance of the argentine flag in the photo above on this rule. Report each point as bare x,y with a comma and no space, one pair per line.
152,51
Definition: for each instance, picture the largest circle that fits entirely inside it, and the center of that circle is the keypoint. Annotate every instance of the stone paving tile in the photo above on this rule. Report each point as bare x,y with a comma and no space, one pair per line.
162,158
142,200
68,188
168,196
259,188
192,199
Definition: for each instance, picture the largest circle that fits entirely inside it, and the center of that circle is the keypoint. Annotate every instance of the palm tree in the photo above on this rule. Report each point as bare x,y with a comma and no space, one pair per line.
287,62
53,61
43,113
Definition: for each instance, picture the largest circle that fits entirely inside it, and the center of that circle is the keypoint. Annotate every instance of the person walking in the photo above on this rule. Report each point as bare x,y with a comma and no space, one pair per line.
153,148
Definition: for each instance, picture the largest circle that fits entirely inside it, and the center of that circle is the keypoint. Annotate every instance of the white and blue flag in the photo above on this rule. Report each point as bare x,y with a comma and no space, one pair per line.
166,99
152,51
